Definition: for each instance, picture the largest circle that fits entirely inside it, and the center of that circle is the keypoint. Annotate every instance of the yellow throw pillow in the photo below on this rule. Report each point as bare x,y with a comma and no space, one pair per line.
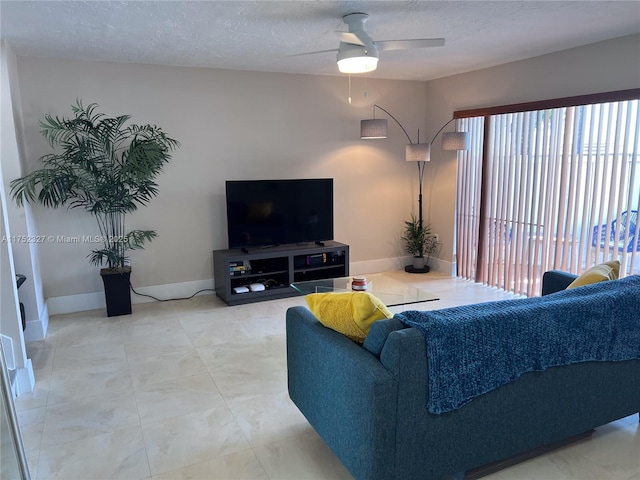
350,313
599,273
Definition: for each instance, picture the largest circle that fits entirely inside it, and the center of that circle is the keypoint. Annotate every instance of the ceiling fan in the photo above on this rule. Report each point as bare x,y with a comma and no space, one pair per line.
359,53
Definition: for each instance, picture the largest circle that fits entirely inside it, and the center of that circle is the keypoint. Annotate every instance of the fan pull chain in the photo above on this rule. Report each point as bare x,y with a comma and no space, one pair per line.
349,89
366,85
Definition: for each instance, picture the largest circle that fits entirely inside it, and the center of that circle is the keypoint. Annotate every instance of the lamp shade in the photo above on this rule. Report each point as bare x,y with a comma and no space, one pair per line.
373,128
418,152
455,141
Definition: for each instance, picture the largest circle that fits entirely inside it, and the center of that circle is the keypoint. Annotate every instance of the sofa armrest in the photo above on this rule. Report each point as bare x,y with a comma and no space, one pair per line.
555,280
345,393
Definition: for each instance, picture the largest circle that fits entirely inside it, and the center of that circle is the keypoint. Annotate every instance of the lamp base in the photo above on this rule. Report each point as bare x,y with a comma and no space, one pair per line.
412,269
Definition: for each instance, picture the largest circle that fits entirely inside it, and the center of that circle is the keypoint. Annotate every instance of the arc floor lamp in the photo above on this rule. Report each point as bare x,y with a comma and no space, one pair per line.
414,152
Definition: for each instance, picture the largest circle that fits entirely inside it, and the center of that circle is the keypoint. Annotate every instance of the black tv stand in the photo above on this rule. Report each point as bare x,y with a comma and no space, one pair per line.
319,243
276,268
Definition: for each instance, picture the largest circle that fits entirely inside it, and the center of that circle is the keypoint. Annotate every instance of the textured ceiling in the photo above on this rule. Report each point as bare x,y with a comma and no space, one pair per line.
262,35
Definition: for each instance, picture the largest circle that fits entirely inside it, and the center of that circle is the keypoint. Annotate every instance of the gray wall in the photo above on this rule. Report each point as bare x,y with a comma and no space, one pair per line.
232,125
601,67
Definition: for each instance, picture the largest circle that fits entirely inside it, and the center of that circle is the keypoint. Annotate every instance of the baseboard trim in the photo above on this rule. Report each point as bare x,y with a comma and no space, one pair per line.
75,303
24,380
37,329
172,290
95,300
378,265
398,263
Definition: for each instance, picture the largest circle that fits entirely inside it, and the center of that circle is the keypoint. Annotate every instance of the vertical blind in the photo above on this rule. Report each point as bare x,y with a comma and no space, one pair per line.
468,198
559,188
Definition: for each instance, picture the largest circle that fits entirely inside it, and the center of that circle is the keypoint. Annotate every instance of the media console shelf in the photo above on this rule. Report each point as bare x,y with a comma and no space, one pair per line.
276,268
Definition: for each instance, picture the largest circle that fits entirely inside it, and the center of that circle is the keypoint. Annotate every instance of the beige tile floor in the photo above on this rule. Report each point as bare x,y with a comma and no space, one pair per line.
197,390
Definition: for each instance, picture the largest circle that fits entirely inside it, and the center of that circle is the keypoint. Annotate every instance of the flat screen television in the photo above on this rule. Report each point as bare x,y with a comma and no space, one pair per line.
264,213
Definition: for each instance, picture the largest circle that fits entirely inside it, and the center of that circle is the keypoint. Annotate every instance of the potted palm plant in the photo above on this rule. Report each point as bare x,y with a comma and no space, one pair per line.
106,168
419,242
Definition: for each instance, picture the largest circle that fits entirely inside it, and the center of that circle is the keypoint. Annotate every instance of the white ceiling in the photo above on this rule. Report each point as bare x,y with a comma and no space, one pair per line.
261,35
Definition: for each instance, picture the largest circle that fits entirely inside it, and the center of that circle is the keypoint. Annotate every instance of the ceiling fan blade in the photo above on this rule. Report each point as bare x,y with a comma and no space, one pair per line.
407,44
312,53
348,37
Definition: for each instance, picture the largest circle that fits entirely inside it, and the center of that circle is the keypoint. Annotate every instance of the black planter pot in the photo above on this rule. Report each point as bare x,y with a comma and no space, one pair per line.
412,269
418,266
116,291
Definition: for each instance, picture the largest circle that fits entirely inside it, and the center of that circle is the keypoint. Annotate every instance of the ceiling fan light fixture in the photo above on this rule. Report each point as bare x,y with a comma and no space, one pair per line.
359,53
362,64
357,59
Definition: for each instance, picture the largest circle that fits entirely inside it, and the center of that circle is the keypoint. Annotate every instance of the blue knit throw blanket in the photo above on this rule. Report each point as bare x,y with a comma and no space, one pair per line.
474,349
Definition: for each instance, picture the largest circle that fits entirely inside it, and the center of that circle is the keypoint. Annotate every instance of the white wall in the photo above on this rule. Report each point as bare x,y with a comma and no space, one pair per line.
10,257
25,254
232,125
601,67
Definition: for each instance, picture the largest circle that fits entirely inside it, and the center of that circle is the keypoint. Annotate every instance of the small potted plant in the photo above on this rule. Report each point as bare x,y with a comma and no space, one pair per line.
107,169
431,246
419,242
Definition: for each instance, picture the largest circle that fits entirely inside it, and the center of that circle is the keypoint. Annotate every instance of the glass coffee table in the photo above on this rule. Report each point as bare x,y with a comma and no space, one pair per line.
389,290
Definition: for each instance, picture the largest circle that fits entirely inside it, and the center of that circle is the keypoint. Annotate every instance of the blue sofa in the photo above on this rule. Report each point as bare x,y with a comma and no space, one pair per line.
369,402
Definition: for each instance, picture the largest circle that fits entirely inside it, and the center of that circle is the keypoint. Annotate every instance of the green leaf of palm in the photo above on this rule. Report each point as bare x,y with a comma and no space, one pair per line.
100,165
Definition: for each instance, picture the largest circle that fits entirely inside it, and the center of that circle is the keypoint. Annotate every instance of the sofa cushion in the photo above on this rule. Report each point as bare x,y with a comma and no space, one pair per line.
599,273
350,313
378,334
556,281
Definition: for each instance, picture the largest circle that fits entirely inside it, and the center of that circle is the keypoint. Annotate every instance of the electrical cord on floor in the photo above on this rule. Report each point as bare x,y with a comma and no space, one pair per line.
170,299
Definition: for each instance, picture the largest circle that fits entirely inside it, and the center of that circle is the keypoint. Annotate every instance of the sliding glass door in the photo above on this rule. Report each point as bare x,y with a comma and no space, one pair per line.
552,188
